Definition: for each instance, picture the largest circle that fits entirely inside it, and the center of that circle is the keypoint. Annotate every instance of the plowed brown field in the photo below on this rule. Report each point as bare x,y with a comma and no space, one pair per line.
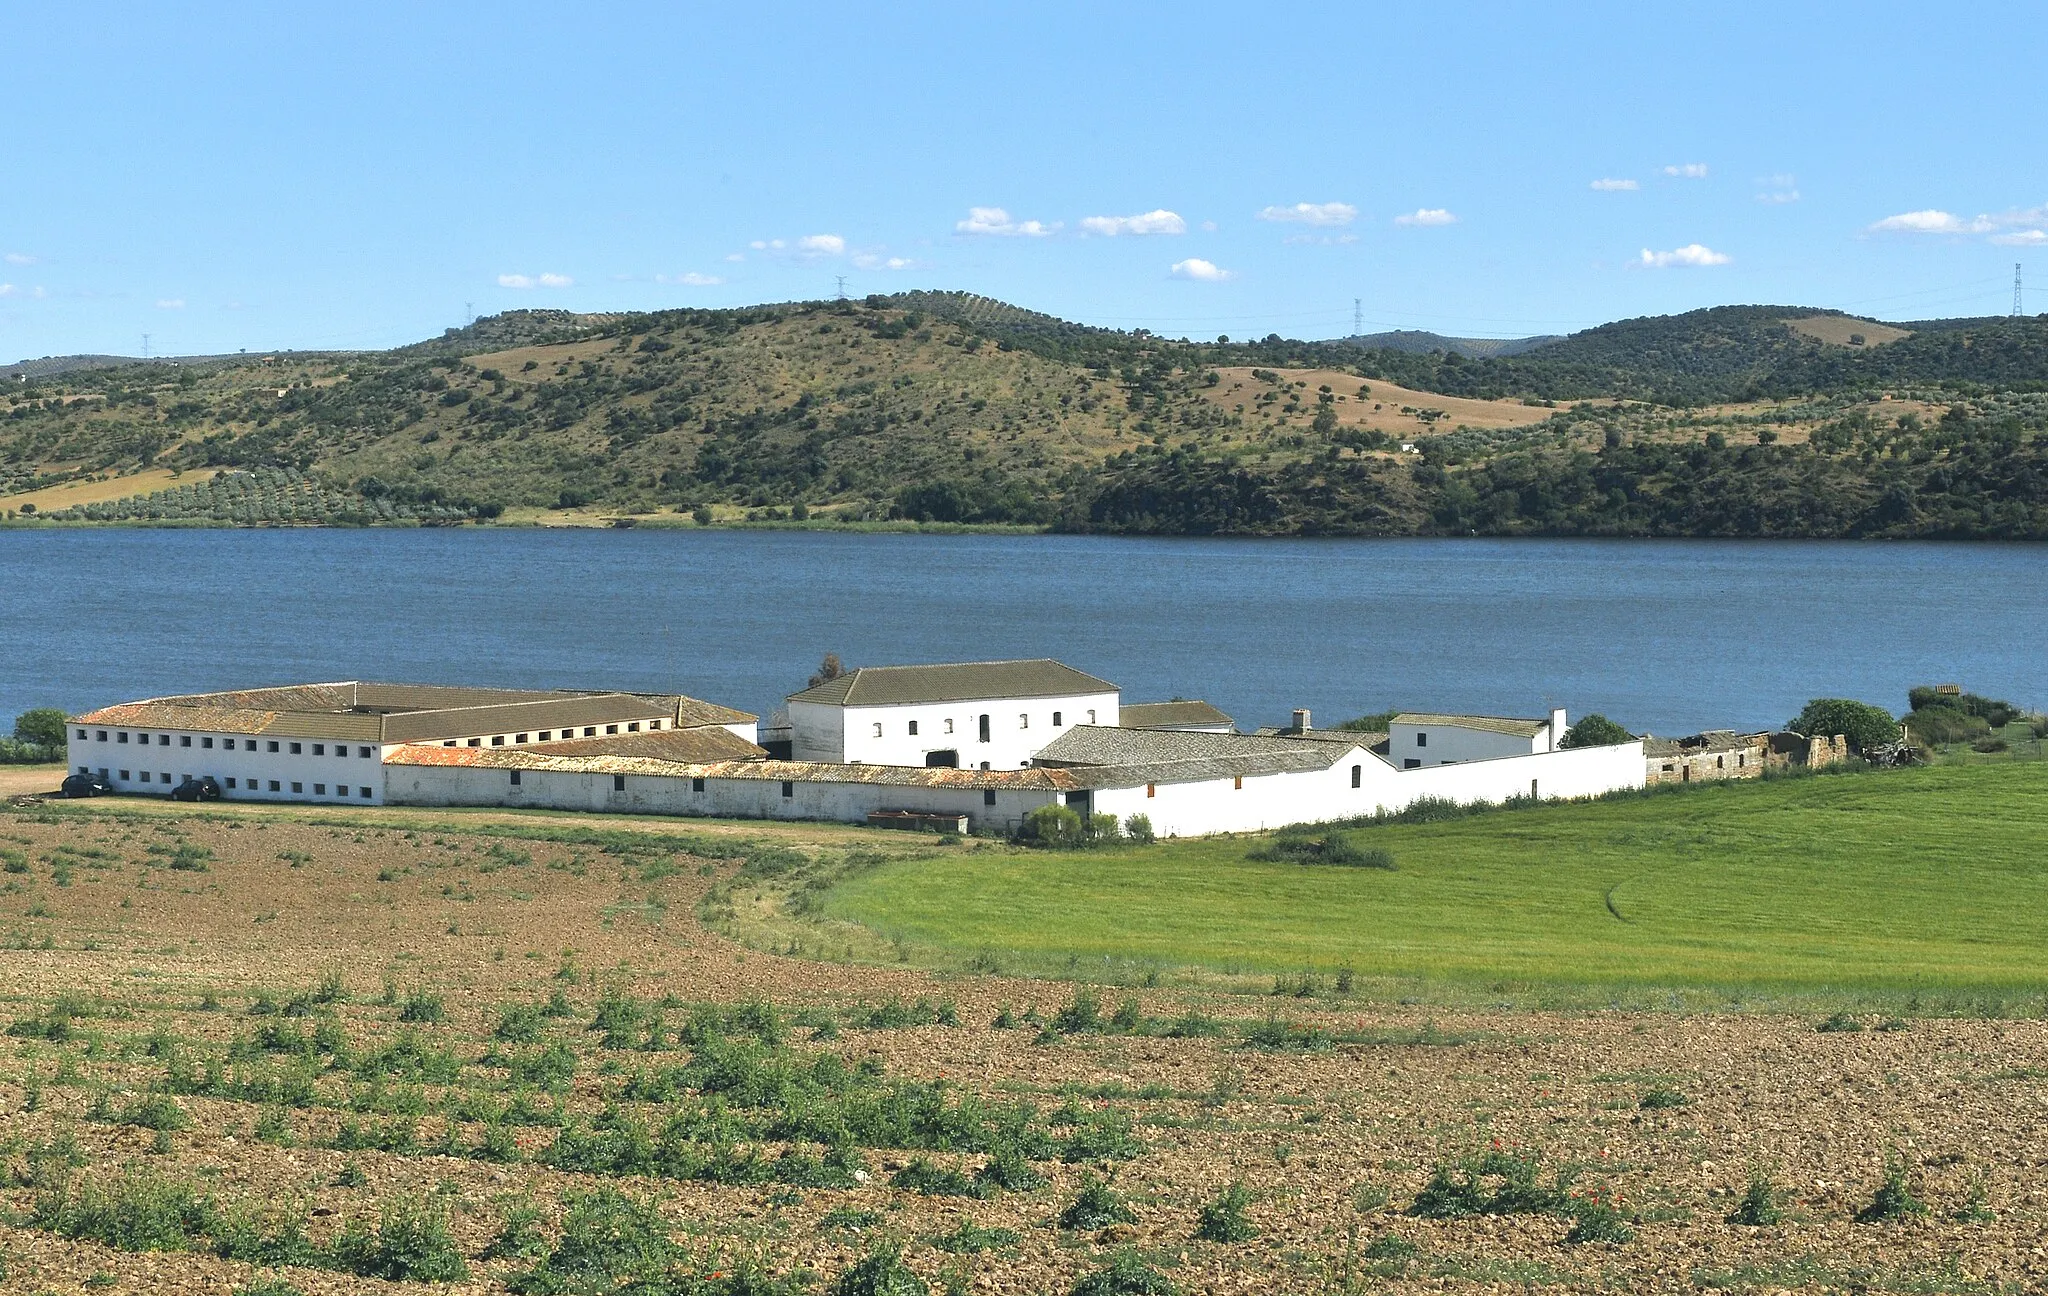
143,950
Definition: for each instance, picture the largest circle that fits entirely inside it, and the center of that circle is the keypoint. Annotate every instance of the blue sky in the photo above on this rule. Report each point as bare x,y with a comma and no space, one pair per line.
262,176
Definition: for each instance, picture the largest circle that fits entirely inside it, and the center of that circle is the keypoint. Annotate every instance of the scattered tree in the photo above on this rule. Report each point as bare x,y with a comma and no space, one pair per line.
828,669
1864,725
1595,730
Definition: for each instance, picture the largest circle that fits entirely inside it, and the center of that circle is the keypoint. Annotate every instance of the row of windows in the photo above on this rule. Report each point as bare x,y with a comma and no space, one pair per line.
549,735
228,744
232,784
1023,722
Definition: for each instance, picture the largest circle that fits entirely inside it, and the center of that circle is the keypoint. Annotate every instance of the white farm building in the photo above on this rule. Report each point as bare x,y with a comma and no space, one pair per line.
977,746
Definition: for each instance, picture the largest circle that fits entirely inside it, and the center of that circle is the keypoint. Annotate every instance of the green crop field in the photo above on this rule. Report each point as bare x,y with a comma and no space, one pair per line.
1927,882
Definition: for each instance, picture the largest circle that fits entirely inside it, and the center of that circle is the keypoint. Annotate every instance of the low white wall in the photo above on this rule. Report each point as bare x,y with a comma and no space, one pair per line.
729,798
1019,728
245,772
1277,800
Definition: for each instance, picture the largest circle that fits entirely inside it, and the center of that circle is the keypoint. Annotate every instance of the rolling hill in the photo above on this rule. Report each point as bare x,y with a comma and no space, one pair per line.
948,407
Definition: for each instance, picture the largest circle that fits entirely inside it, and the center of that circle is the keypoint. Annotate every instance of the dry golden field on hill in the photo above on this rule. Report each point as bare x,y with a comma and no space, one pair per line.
344,1055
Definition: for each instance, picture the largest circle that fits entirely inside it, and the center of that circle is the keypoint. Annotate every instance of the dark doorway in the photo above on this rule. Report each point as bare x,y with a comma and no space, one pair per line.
948,759
1081,803
984,728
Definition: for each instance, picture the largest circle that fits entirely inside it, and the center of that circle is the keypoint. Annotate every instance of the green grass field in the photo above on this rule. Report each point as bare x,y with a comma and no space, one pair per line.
1926,882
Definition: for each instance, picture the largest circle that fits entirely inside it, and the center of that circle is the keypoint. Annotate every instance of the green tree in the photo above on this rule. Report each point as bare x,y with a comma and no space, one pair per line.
1595,730
42,727
1864,725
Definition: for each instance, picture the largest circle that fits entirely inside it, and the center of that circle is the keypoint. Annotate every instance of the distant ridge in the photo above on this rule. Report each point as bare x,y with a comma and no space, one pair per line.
50,366
1421,342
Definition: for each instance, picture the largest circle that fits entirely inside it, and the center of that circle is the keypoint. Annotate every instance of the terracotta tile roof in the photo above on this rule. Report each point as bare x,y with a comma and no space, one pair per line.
537,758
953,682
1520,728
707,743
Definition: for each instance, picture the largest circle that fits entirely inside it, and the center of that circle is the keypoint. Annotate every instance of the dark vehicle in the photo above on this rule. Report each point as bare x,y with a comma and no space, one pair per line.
84,785
196,789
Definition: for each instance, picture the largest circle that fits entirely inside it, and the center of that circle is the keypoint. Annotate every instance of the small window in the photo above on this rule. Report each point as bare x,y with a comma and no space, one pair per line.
122,736
164,776
984,728
590,731
363,753
1024,721
1411,763
206,742
229,743
1357,773
81,736
949,728
633,727
1422,740
618,782
913,728
185,740
476,742
1151,789
99,735
498,740
319,789
145,776
878,729
520,739
1720,762
364,793
231,780
611,729
124,776
988,796
654,724
297,749
298,787
319,749
515,778
1091,715
273,785
448,742
546,734
1238,783
696,785
788,789
1055,719
273,747
984,764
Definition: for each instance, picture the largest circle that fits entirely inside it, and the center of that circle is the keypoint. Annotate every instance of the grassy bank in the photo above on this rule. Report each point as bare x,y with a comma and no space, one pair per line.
1919,884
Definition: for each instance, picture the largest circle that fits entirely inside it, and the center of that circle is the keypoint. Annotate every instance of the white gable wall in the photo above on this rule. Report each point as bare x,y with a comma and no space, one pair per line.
1450,743
1018,728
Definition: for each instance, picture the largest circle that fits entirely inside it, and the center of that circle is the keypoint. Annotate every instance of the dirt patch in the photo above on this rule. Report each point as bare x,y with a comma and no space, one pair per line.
29,780
52,498
1334,1113
1844,331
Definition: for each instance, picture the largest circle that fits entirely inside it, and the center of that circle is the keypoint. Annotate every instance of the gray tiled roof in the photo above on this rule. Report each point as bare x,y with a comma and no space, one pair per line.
1105,757
1517,726
953,682
1167,715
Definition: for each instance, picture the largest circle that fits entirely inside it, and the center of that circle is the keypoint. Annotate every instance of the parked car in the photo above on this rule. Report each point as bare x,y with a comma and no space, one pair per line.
84,785
192,789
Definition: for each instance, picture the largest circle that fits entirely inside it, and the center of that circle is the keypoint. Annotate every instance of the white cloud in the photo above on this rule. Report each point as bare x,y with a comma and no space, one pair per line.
1151,222
735,256
1687,170
1329,213
2022,238
996,221
1609,184
1692,254
1209,227
1777,189
18,258
1427,216
8,290
1933,221
1196,268
690,279
875,261
767,245
534,281
170,303
820,244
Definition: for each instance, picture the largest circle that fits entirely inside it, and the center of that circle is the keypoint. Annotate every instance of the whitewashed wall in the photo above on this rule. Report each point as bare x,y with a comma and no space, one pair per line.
729,798
1452,743
1276,800
1019,728
316,771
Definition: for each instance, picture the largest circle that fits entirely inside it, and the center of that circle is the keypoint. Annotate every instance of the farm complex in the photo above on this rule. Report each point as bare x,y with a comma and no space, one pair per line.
968,746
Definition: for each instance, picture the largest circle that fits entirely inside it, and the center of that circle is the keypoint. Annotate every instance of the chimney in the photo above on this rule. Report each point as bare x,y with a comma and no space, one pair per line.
1301,719
1557,728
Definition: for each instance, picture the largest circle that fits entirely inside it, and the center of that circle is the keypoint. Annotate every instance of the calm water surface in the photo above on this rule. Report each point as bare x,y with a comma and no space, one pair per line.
1669,636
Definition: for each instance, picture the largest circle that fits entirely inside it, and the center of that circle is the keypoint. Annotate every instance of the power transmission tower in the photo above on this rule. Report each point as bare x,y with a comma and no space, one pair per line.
842,286
2017,309
1357,317
469,312
145,346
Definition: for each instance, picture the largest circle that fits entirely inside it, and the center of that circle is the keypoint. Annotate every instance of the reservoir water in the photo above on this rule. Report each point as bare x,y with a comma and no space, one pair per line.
1665,636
